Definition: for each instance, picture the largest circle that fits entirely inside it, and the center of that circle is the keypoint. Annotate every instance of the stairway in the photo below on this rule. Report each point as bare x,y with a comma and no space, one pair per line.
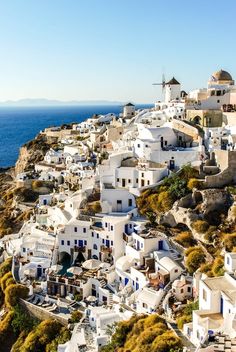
110,300
102,283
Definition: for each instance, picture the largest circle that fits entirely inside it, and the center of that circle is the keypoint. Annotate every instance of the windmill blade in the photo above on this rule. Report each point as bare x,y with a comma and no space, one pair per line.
163,82
157,84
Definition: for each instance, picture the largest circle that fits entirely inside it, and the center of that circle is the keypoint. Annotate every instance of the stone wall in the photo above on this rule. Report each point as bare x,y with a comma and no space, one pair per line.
41,313
226,160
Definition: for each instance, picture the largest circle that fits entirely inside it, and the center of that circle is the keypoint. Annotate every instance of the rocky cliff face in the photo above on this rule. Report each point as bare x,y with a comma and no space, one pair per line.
31,153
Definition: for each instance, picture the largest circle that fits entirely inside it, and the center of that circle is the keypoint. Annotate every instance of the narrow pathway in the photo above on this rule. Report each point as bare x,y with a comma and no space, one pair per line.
185,341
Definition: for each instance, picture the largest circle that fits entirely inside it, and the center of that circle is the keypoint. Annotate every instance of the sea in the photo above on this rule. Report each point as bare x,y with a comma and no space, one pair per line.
18,125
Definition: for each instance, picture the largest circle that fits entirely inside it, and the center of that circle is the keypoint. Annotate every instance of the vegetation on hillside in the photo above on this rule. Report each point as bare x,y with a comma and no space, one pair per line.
143,334
185,315
194,258
18,327
161,198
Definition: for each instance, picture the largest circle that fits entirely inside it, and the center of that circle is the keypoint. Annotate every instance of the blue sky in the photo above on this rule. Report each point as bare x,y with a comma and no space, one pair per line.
113,50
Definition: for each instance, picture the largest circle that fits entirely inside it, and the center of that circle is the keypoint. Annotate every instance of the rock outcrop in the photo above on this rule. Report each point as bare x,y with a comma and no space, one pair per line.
31,153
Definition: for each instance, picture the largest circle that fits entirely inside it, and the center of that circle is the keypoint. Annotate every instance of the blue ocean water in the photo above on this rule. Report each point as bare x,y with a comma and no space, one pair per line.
20,124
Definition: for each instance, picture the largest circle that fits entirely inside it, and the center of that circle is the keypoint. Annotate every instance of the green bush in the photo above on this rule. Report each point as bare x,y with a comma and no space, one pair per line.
41,336
201,226
229,240
183,320
5,280
143,334
76,316
63,337
22,321
186,239
218,266
194,259
13,293
5,267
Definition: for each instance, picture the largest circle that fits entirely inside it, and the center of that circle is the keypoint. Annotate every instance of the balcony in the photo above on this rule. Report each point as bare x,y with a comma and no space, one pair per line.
105,249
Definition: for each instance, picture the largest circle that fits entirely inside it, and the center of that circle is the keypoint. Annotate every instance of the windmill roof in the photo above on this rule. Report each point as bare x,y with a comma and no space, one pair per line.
173,81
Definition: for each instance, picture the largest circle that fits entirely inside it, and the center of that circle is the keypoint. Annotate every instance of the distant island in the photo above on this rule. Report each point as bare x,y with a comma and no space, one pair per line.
49,102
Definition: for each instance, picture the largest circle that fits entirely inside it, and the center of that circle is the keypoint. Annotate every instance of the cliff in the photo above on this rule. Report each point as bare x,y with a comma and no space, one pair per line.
31,153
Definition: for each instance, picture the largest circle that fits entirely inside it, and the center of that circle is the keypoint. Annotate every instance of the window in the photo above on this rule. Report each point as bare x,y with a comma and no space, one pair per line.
111,243
75,241
148,182
130,202
97,235
68,243
142,175
218,101
111,227
24,250
136,180
95,246
92,234
138,145
62,242
176,270
85,243
189,289
129,180
130,226
75,229
103,241
105,224
181,291
227,260
118,180
84,230
119,201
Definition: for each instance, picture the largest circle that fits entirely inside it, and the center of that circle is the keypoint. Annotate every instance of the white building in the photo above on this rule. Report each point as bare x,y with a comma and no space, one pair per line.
217,305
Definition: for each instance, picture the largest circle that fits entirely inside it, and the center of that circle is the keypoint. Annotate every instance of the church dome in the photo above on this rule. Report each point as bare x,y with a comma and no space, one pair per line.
221,76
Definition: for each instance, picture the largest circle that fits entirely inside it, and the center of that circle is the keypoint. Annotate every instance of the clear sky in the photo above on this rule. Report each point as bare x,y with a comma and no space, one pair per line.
112,49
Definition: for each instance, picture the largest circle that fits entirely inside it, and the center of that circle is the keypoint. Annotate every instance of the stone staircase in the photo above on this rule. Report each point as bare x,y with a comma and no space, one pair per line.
110,298
102,283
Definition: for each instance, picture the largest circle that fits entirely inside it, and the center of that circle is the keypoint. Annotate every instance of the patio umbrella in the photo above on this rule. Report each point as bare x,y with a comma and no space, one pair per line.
91,264
75,270
91,299
56,267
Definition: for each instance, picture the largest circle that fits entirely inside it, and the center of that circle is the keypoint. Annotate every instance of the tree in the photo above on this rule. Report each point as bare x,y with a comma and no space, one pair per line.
21,320
13,293
41,336
194,259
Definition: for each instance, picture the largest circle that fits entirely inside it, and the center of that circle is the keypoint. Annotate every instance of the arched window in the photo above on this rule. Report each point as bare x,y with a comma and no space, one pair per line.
95,246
